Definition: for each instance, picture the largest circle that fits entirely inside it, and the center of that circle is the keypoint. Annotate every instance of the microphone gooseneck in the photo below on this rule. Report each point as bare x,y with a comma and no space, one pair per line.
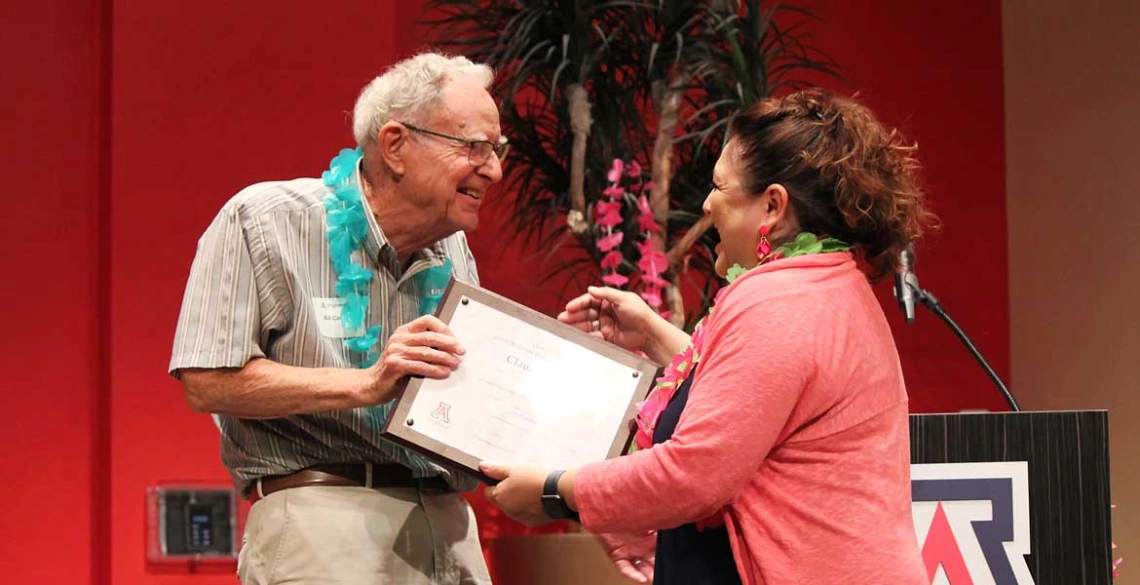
907,291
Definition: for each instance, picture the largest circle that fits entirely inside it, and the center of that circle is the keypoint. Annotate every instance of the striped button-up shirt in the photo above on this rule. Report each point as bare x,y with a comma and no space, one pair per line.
258,276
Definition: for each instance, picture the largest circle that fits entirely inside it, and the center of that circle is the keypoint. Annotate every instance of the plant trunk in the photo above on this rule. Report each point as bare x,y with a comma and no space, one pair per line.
668,105
677,253
580,122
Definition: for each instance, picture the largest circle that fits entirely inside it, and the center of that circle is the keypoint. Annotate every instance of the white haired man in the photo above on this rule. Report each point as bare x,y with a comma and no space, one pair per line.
307,303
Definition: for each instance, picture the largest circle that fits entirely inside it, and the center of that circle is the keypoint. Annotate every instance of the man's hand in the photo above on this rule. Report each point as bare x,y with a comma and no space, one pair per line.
425,347
633,555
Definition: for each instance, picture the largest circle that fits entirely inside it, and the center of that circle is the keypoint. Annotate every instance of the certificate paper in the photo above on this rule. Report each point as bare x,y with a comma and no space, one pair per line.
529,390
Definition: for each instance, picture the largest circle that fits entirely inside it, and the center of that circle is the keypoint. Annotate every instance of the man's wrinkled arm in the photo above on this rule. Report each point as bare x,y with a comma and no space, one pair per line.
266,389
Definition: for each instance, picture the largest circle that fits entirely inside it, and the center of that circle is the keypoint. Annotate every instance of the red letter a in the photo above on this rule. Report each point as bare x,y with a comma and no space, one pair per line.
941,548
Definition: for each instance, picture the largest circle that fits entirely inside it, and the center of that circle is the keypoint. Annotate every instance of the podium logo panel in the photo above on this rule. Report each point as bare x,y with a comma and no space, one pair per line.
972,522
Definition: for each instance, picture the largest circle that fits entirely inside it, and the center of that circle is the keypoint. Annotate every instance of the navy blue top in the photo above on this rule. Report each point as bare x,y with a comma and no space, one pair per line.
685,555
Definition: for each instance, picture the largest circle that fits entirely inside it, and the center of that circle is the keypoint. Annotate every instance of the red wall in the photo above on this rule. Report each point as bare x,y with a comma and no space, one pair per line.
209,96
51,263
935,70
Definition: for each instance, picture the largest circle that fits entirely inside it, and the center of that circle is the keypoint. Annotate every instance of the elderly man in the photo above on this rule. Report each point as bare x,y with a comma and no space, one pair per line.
306,305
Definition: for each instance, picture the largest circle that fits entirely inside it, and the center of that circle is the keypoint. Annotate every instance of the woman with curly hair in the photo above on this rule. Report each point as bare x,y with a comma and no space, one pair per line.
775,447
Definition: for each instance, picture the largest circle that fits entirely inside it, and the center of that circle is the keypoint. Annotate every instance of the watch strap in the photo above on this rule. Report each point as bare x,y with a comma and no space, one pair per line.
552,502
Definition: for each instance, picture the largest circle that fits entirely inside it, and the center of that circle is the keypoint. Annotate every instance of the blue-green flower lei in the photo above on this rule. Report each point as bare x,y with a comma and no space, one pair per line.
347,228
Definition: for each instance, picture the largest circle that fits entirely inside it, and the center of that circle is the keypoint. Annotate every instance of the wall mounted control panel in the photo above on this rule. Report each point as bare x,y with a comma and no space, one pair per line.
187,523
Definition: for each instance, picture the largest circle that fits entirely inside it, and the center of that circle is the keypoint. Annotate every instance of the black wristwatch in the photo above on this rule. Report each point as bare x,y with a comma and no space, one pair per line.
552,501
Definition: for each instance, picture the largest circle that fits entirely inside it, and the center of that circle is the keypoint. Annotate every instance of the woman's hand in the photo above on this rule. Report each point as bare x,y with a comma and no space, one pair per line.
633,555
620,317
518,493
623,319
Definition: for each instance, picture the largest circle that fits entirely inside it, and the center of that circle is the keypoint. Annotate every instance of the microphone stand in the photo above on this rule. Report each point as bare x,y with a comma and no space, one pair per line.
931,302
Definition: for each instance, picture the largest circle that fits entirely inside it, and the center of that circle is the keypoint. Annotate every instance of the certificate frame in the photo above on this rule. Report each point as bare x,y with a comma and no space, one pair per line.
400,429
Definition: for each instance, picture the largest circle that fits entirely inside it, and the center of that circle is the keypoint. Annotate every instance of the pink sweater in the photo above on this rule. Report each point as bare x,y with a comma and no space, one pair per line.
795,432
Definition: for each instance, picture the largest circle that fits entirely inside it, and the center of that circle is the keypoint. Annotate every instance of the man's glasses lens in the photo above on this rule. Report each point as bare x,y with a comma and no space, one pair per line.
481,152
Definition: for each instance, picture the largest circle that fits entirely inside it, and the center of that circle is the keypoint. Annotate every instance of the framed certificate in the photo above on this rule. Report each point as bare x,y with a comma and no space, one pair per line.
529,390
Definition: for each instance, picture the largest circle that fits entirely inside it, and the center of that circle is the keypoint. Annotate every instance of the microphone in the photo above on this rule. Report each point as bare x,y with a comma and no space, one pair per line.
907,291
906,283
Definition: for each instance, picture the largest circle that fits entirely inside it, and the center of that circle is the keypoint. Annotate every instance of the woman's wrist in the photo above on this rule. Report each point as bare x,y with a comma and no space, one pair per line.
566,488
663,340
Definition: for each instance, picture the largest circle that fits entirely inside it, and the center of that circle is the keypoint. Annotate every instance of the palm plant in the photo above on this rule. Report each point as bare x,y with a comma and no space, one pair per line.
586,81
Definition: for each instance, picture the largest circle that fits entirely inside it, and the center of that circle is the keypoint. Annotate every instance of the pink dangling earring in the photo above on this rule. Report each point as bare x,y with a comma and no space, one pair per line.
764,247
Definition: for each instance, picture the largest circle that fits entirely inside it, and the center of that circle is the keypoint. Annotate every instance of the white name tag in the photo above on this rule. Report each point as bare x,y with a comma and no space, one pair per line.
328,318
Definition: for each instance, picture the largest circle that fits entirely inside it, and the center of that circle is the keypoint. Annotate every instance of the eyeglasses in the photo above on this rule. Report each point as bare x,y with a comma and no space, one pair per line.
479,152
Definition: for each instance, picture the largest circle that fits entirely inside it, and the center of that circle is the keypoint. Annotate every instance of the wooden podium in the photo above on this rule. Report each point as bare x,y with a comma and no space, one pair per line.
1004,498
993,463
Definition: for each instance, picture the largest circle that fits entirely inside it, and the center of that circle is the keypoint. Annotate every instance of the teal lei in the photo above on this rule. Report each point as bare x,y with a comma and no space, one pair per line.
805,243
347,231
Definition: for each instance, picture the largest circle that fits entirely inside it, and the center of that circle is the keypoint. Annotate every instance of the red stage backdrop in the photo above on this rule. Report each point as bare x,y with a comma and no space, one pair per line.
129,123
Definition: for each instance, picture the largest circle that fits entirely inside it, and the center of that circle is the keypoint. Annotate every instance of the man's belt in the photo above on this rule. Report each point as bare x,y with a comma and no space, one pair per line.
384,475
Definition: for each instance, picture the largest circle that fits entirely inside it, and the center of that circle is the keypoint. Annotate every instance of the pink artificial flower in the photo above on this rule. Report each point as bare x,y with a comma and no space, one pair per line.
649,411
613,192
676,371
643,205
634,169
615,171
652,296
648,186
609,220
652,261
654,280
643,438
612,260
610,242
604,207
615,280
679,367
646,248
608,212
645,219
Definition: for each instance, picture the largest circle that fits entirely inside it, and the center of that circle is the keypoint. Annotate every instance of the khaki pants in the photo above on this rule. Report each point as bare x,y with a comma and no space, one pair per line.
356,535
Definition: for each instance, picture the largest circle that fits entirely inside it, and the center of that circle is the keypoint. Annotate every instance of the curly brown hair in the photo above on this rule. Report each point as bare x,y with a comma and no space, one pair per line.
847,176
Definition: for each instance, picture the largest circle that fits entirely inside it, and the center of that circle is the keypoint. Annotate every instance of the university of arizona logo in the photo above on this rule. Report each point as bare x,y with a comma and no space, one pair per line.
972,522
442,413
